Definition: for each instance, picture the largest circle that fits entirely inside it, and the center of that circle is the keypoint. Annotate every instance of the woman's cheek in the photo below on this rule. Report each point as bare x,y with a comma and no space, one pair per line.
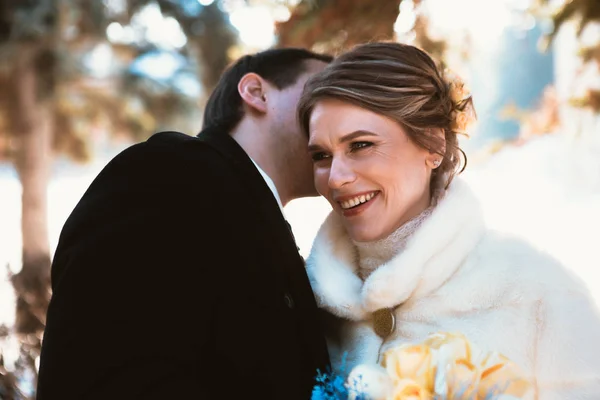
321,176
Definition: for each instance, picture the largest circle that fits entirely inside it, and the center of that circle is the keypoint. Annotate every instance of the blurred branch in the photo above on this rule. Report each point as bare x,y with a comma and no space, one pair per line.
209,35
583,11
590,100
436,48
541,120
335,25
591,53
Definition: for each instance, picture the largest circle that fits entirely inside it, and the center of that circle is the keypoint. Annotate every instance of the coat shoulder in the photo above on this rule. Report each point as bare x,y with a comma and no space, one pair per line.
520,265
166,162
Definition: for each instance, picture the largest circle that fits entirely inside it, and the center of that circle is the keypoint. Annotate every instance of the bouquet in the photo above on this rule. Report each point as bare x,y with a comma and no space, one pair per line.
445,366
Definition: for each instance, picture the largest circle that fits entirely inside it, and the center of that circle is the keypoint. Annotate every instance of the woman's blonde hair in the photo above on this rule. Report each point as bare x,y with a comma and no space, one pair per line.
400,82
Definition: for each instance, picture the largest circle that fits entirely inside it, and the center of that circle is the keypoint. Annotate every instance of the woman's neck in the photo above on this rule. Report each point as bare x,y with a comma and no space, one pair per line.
371,255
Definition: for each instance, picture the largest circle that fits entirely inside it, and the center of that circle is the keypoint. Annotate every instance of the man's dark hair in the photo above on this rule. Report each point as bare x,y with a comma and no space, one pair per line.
281,67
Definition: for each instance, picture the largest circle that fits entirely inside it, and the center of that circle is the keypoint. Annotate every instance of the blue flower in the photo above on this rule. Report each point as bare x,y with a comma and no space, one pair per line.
331,386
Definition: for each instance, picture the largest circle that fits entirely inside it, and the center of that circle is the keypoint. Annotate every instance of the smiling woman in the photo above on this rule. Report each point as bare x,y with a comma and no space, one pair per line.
407,240
365,165
395,139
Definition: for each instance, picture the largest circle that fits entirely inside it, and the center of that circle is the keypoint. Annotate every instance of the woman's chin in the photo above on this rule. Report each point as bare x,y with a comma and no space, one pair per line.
362,233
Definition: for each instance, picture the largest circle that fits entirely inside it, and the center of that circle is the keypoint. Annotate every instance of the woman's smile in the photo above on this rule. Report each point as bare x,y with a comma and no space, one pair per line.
353,205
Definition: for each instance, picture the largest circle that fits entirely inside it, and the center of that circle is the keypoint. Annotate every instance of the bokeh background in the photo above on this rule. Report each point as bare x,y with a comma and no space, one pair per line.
80,80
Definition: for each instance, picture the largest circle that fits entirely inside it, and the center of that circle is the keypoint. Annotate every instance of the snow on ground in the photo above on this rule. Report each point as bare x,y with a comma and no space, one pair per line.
548,192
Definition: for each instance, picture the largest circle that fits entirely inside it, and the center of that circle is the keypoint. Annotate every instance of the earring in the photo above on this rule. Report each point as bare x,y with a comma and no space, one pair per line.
436,163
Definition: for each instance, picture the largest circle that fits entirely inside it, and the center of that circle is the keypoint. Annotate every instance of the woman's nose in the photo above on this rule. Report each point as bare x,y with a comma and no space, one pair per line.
340,174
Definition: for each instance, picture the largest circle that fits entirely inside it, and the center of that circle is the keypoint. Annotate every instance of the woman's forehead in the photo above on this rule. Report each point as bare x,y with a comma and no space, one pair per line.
334,117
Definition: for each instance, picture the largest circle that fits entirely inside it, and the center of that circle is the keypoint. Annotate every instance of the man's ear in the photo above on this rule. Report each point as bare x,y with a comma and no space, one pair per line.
252,90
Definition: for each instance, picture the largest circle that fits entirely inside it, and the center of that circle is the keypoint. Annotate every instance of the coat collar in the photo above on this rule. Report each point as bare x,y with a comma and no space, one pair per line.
257,188
237,156
432,256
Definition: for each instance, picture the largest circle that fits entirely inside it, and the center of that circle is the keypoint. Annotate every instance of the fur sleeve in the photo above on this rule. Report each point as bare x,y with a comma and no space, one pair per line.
567,350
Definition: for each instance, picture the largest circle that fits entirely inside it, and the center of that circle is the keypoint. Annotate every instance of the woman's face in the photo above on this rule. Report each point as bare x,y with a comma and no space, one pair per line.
368,169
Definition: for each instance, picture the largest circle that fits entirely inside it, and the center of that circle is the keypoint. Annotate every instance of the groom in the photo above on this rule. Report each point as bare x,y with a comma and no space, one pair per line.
176,276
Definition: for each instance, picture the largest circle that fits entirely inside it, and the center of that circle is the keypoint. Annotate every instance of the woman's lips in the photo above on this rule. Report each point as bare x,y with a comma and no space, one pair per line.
369,198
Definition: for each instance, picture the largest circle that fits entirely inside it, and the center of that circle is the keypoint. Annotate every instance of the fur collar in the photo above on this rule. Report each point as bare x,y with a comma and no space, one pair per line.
432,255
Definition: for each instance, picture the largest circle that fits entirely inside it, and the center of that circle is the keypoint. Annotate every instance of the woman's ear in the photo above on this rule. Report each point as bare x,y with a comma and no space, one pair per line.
252,91
434,159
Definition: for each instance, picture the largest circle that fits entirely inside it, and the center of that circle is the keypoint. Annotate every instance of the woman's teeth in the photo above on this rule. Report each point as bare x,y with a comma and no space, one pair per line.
357,200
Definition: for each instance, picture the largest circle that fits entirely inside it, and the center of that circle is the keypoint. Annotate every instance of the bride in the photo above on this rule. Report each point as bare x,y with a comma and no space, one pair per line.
405,252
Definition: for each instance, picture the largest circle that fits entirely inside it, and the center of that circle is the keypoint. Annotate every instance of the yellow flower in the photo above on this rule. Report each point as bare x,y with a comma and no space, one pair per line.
462,380
407,389
452,346
459,90
463,120
413,362
500,375
446,365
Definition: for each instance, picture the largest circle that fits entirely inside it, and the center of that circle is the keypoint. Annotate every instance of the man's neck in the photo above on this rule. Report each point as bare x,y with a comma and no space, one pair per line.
250,138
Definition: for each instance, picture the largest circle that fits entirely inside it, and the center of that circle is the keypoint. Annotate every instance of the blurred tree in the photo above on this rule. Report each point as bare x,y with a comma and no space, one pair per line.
435,47
209,35
28,42
332,26
52,104
584,12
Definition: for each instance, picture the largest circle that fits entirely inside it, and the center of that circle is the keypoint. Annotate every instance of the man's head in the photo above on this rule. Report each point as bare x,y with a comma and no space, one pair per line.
280,67
255,102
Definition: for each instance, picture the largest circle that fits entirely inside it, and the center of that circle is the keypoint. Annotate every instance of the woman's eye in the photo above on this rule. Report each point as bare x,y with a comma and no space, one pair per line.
320,156
360,145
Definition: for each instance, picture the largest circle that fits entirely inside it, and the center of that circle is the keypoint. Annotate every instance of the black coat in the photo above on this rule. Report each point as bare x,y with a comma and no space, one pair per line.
176,277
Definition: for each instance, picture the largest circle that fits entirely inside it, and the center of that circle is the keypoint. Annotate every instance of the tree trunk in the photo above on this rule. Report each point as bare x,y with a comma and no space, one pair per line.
32,121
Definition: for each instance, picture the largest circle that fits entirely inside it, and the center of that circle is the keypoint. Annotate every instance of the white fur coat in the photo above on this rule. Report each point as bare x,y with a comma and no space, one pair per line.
457,276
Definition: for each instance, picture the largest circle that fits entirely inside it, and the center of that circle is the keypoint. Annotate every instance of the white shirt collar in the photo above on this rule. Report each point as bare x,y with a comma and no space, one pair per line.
270,183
